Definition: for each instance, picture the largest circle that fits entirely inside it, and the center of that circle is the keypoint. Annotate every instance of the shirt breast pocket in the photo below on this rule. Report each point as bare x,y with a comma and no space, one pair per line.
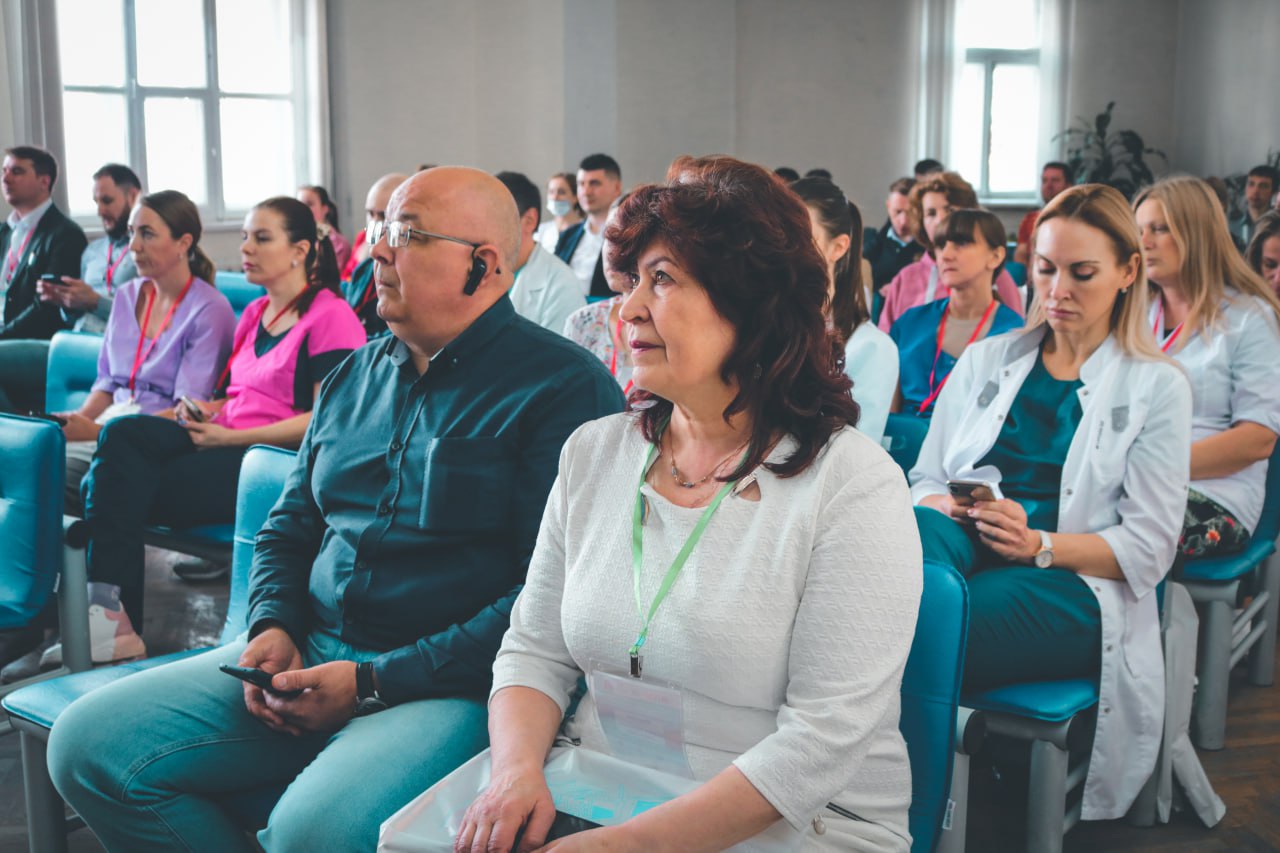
466,485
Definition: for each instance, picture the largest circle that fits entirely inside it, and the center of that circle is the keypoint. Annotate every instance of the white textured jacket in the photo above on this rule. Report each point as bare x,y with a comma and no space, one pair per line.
1125,478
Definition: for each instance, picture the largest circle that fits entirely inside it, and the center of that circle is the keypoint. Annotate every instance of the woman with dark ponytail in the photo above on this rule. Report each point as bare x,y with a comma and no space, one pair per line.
870,356
182,469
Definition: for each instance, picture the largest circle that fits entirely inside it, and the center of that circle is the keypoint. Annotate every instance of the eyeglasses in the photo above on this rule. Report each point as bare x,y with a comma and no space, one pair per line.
398,234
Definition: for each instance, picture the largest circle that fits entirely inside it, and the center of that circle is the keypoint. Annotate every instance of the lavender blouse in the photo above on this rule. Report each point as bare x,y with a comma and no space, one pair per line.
186,358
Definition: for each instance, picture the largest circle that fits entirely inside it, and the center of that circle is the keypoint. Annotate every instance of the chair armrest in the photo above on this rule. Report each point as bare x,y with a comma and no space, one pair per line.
73,596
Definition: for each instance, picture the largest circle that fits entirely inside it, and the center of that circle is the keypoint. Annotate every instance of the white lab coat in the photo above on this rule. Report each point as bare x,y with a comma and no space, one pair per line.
1124,478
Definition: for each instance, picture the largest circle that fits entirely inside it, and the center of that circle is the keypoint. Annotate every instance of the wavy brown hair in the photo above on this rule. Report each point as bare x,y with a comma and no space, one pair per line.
958,191
747,240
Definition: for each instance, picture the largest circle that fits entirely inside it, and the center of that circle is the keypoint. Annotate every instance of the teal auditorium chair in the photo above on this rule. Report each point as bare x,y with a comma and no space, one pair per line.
238,290
1217,585
1017,272
930,692
33,709
71,370
36,560
903,437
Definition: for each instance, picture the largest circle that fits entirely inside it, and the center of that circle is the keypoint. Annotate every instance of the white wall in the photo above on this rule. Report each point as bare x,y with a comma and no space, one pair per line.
1228,115
1126,51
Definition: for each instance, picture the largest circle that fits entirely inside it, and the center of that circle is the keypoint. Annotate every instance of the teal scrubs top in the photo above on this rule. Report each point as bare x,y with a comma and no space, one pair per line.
1033,444
916,334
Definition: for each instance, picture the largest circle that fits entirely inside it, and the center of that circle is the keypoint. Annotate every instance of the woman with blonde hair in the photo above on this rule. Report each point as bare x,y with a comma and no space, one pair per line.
1054,476
932,201
1221,322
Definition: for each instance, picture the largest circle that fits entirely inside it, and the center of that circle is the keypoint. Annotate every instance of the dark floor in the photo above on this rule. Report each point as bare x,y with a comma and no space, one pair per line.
1246,774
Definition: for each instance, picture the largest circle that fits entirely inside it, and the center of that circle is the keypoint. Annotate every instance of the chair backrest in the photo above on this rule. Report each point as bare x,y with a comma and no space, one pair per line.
72,370
903,436
262,474
930,695
238,290
1017,272
33,460
1268,526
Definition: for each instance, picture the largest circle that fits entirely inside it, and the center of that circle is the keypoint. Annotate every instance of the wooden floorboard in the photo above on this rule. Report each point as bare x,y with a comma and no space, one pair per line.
1246,774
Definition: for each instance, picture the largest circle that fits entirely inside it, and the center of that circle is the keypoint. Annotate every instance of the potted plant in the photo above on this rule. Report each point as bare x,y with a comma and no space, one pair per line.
1099,155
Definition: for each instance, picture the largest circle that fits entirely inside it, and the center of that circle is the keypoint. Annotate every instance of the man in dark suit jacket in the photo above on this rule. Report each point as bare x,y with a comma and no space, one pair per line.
37,239
599,183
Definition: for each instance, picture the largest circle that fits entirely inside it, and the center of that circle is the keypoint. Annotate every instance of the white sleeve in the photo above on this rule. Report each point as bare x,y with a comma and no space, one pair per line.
852,633
1255,369
1153,497
533,652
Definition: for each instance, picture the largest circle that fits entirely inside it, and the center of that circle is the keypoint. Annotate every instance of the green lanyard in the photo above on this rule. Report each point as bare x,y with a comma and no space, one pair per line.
637,557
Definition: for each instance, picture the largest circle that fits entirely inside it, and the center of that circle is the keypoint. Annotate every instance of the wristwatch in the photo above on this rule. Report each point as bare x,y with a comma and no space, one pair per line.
1044,557
367,699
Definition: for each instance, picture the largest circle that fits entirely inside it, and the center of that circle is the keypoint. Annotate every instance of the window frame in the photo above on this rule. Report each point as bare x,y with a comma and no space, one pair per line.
989,58
215,210
942,62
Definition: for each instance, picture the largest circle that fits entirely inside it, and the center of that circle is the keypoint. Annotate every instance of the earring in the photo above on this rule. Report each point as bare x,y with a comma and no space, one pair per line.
294,263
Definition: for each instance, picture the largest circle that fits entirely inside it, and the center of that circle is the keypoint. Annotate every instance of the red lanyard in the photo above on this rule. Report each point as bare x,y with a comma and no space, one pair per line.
1159,327
613,362
935,390
226,371
111,268
138,355
13,259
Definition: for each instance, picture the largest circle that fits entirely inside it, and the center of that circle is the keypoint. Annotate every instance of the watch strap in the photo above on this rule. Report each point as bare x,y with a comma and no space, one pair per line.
364,682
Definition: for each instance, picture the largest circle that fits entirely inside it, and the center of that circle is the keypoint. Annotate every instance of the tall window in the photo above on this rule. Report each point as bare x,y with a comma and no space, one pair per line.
202,96
1002,95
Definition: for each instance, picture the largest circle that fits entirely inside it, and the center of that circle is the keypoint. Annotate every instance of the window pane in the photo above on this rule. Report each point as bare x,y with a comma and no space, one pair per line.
255,53
1006,24
257,151
171,49
176,146
91,42
96,134
966,124
1015,121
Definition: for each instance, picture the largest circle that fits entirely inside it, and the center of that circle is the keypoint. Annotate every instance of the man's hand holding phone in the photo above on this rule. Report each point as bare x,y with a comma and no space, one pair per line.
272,651
67,292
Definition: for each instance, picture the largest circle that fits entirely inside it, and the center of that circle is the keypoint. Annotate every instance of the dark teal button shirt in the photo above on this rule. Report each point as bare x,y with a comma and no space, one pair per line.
1033,444
408,524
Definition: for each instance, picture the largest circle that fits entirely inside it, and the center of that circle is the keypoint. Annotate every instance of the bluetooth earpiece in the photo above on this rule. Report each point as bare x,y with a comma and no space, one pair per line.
478,270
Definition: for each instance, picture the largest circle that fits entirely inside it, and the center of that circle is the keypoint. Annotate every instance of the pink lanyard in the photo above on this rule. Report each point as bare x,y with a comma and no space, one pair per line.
111,268
1159,327
139,357
13,259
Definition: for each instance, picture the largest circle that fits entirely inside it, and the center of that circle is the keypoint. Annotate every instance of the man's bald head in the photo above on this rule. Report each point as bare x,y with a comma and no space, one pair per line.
467,203
379,194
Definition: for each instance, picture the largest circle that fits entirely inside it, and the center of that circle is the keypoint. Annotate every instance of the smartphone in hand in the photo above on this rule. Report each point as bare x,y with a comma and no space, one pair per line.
48,416
966,492
258,678
192,409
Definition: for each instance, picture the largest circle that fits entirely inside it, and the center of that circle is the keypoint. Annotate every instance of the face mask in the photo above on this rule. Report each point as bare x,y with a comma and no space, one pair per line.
559,208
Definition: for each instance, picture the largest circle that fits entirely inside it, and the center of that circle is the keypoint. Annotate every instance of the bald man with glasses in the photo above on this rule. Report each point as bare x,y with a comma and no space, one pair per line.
383,580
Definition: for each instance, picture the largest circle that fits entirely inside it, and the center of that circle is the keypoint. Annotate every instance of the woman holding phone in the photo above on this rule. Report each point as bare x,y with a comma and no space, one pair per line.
1084,425
182,472
168,334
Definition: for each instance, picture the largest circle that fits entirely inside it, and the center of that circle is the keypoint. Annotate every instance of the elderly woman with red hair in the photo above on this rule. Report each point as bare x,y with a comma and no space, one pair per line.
769,547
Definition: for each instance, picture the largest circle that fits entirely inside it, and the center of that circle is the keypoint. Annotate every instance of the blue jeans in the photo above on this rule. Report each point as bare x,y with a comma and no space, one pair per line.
147,760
